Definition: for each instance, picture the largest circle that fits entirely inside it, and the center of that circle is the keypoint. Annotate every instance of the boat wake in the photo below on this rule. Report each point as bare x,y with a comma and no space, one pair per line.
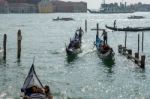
86,52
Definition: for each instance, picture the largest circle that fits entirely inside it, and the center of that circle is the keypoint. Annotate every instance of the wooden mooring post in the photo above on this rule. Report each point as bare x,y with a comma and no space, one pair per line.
119,48
19,38
128,53
137,54
138,43
97,28
142,61
142,41
125,44
4,46
85,25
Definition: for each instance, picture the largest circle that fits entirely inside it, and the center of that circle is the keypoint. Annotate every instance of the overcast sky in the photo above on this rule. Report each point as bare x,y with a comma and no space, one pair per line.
95,4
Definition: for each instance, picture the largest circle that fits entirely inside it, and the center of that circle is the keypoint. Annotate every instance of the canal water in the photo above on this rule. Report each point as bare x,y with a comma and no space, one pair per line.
86,76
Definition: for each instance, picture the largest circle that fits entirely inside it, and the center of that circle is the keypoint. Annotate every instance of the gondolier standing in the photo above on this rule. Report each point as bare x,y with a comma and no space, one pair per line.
104,37
114,23
80,32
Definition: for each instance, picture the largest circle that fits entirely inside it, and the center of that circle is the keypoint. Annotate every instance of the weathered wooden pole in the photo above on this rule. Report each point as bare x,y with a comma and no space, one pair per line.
142,41
125,44
97,29
129,53
85,25
119,48
138,43
137,57
143,61
4,46
137,54
19,38
124,50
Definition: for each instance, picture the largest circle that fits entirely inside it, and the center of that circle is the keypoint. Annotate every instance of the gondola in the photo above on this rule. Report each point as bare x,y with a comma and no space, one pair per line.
104,50
31,81
130,29
74,46
135,17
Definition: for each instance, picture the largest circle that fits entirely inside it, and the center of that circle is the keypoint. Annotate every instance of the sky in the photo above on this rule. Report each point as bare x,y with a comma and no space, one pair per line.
95,4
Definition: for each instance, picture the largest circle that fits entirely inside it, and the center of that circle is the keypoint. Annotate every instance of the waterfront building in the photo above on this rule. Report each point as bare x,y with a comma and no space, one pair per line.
22,8
141,7
61,6
115,8
45,6
79,7
4,6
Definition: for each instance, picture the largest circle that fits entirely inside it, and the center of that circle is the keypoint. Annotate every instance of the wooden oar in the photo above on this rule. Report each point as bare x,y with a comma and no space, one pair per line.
94,45
97,29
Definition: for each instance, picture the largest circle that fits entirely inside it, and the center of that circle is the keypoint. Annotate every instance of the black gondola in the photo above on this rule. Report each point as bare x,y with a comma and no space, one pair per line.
74,46
104,51
130,29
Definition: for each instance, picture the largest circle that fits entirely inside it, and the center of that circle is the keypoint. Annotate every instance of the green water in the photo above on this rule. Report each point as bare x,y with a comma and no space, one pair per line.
84,77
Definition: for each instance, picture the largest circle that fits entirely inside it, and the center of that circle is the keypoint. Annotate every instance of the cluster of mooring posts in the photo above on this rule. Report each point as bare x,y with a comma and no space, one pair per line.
19,38
136,57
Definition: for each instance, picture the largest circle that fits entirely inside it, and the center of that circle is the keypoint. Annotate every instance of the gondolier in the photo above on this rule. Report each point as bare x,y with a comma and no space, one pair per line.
104,37
114,23
80,31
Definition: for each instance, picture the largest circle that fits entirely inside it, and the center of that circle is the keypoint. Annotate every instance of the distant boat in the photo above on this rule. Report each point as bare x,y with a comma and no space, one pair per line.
136,17
131,29
63,19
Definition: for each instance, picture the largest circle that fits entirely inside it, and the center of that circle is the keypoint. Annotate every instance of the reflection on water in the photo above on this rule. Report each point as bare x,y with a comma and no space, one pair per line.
71,58
109,63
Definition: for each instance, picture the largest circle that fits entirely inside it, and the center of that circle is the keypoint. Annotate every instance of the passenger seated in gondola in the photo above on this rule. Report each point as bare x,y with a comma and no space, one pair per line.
76,44
48,92
76,35
104,49
71,44
36,89
40,90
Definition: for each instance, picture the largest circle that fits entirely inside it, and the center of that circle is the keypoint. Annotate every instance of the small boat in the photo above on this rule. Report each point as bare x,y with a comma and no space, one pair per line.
136,17
32,87
104,51
63,19
74,46
130,29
